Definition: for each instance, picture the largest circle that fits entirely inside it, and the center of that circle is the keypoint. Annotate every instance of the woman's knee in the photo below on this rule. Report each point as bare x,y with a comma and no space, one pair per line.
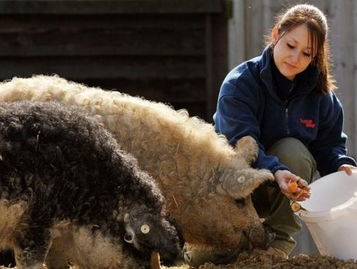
295,155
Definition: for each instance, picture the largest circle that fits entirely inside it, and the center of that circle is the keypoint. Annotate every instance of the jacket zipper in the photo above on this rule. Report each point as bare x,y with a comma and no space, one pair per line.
286,109
286,103
287,121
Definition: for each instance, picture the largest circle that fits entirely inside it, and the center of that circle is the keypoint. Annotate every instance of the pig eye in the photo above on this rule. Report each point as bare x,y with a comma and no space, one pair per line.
240,202
145,229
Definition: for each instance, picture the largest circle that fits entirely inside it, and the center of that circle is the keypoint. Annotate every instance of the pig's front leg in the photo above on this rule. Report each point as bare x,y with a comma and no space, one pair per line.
32,247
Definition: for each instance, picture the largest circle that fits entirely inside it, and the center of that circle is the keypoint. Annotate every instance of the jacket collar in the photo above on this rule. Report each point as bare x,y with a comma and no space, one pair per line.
306,81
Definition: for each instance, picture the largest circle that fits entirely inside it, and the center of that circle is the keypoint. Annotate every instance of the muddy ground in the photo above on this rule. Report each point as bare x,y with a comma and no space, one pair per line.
260,260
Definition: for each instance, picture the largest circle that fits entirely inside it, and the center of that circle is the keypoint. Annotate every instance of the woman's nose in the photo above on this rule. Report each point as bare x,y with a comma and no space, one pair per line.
295,57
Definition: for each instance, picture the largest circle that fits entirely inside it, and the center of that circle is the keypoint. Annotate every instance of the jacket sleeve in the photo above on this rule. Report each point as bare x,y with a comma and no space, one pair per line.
329,148
236,116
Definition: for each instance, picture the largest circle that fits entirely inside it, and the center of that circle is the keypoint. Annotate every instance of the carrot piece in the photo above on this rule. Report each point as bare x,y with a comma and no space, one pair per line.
292,186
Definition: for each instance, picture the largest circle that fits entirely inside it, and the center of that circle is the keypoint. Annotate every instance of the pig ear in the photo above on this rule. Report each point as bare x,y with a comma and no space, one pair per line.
246,149
243,182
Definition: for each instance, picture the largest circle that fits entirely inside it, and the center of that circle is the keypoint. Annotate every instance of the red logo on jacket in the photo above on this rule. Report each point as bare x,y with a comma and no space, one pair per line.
308,123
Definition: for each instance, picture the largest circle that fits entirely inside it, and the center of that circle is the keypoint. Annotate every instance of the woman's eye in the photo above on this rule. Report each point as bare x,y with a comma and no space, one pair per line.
290,46
307,54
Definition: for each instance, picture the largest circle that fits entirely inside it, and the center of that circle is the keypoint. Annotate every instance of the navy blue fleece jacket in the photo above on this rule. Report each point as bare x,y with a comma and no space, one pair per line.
249,104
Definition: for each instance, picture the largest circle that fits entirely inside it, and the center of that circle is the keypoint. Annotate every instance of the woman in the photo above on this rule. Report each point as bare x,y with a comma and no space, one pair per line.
284,99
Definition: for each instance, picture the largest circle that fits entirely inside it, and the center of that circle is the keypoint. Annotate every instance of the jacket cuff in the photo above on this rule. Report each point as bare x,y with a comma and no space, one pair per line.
278,167
344,160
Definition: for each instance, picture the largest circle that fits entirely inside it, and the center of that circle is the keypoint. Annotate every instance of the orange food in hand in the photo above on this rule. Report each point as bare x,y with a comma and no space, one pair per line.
298,190
292,186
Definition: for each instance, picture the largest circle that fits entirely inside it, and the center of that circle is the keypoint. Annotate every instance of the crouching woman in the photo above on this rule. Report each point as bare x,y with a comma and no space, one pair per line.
284,98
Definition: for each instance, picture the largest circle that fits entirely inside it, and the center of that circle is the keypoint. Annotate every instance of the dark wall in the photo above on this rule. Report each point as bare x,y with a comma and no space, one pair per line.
169,51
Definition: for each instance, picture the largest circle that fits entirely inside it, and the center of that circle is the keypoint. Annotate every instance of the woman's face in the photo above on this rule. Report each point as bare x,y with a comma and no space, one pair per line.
292,52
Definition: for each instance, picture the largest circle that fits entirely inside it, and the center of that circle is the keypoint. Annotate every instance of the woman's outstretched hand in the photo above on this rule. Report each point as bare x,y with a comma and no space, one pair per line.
285,178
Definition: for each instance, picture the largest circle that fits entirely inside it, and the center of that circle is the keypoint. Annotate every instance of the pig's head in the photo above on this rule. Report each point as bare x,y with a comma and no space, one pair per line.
151,232
238,181
236,225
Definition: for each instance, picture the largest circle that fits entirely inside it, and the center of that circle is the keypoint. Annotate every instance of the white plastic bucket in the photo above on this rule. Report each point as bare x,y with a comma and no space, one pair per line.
331,215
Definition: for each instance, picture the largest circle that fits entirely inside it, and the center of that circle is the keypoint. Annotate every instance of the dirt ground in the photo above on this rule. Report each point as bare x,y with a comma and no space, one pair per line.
260,260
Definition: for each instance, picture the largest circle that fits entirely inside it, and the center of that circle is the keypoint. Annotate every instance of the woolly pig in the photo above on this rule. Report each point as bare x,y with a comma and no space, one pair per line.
69,194
199,173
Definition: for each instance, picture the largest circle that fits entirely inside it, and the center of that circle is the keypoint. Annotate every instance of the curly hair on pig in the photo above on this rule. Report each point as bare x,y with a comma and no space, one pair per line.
69,194
198,172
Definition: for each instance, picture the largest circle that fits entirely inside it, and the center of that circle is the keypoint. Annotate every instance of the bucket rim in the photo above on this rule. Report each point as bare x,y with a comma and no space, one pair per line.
317,216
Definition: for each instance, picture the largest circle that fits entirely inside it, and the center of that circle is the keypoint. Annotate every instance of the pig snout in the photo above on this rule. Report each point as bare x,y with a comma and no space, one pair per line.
259,237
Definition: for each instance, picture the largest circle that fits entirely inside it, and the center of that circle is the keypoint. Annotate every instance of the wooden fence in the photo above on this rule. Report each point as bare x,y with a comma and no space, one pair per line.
168,51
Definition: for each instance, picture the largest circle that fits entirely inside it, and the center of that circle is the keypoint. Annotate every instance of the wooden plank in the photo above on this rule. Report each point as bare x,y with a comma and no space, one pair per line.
353,137
74,22
48,36
342,20
236,35
216,60
110,7
104,67
219,59
209,66
103,42
253,23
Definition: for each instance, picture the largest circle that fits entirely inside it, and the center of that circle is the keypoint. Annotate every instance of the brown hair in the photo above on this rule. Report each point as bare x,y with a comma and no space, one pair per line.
316,24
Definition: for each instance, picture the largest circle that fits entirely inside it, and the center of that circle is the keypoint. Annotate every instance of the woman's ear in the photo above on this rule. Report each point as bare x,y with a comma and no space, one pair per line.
275,34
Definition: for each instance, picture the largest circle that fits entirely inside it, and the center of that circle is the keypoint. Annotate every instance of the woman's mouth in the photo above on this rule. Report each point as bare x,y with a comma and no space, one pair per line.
290,65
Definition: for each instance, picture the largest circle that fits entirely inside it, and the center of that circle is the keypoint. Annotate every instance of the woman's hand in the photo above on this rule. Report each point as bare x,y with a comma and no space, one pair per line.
347,168
283,178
